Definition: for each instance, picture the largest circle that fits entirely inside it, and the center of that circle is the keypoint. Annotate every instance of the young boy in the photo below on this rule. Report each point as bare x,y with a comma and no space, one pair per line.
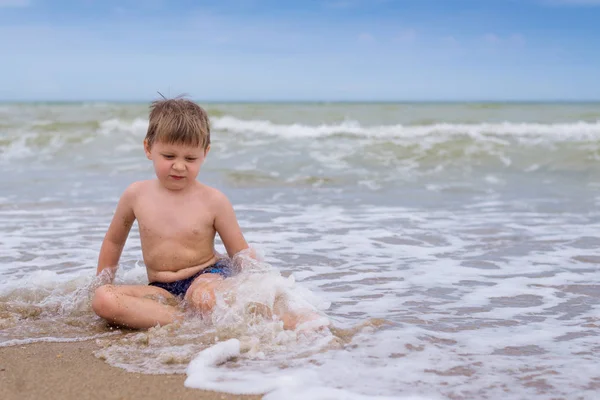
178,218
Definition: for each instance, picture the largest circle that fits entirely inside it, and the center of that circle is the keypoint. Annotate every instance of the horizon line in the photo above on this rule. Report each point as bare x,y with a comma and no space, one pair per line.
312,101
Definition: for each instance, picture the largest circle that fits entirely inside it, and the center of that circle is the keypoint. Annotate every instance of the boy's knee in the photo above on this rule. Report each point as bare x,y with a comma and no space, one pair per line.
104,301
201,294
203,298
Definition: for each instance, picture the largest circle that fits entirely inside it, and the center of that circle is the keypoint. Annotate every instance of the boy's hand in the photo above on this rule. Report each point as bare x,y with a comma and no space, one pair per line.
106,276
247,259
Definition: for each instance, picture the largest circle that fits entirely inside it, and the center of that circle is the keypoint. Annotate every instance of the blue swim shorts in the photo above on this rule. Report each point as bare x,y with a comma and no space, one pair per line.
178,288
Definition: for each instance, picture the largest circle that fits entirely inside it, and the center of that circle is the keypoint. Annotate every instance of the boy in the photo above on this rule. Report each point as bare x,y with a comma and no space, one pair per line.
178,218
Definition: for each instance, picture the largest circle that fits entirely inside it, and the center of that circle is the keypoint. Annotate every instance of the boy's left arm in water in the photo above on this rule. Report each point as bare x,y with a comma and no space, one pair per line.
228,228
118,231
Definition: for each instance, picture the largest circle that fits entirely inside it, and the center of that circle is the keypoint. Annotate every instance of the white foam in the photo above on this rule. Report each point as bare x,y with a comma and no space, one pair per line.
53,339
478,299
16,149
570,131
137,126
23,142
291,383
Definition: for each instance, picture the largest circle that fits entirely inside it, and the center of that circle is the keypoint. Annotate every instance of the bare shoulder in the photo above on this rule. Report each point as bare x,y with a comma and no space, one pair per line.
212,194
135,189
217,201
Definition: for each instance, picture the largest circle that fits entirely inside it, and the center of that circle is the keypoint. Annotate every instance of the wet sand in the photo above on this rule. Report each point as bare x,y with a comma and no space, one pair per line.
70,371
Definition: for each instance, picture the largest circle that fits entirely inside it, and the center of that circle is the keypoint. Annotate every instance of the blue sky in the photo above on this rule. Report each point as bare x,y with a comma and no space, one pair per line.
375,50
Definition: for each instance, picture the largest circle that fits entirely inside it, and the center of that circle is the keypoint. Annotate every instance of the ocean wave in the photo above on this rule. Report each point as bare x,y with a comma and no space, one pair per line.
526,146
579,130
570,131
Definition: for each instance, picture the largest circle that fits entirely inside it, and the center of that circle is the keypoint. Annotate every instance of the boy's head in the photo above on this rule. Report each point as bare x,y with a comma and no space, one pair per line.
178,121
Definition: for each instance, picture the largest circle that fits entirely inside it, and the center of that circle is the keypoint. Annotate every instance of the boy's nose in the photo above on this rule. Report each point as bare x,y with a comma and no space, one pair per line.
178,166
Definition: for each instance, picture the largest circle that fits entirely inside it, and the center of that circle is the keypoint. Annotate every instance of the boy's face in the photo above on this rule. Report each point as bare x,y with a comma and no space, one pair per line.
176,165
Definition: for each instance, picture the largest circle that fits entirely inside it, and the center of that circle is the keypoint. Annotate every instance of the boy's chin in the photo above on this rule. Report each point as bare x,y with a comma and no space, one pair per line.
175,184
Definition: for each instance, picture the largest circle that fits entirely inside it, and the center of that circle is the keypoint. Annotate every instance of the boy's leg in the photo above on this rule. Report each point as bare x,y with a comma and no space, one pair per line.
201,293
307,319
131,306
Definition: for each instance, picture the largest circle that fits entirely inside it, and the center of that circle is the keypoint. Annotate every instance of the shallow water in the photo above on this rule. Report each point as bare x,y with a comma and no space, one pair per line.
453,246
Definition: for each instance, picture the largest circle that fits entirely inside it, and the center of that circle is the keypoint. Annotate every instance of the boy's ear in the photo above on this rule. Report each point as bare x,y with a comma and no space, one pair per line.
206,150
147,149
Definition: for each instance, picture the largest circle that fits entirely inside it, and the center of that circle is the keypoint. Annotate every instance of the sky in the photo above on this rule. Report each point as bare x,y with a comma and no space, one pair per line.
300,50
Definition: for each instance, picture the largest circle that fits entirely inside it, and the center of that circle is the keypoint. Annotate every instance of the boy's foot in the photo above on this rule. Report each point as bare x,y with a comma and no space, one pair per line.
318,324
307,321
259,310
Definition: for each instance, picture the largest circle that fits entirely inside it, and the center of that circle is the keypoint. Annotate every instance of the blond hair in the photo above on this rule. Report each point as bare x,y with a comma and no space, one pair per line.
178,121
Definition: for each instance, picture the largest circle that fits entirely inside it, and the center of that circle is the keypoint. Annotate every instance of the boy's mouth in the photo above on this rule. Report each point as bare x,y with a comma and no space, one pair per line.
177,177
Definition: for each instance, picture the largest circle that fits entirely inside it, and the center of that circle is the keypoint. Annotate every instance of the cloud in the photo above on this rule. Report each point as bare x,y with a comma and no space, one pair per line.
515,39
491,38
347,4
407,36
589,3
340,4
450,41
366,38
14,3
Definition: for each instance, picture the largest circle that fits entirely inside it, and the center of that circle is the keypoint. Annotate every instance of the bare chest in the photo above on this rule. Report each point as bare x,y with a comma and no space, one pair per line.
169,219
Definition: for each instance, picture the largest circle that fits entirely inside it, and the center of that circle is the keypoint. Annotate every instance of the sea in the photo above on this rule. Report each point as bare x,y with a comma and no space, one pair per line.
452,246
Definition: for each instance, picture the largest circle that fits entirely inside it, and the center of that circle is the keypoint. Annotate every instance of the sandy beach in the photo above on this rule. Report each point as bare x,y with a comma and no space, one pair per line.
70,371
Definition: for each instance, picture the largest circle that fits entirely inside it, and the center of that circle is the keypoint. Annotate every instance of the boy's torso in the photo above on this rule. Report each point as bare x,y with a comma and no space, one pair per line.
176,230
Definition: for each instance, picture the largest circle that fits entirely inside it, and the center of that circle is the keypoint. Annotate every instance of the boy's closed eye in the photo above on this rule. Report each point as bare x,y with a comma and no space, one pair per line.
170,157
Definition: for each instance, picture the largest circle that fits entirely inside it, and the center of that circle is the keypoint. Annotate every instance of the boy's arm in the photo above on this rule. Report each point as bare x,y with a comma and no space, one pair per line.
227,226
117,233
